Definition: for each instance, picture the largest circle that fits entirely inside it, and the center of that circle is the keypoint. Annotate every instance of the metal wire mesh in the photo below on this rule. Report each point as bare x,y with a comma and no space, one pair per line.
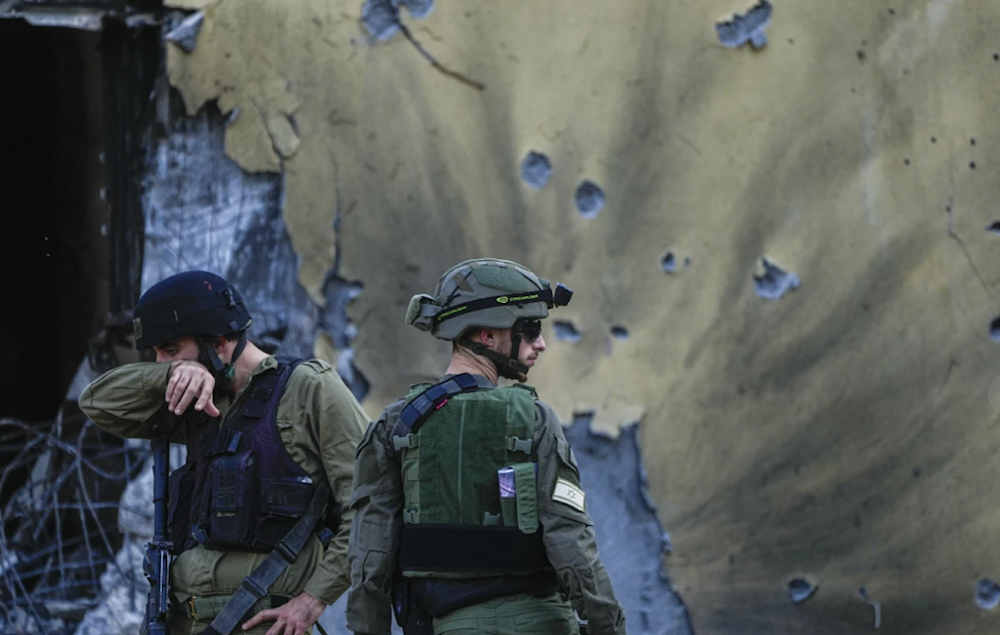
59,498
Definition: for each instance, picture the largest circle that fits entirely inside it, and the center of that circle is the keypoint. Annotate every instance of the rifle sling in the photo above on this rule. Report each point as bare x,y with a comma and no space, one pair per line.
256,585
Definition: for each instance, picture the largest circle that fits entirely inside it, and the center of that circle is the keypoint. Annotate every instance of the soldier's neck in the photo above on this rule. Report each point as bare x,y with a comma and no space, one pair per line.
247,362
465,361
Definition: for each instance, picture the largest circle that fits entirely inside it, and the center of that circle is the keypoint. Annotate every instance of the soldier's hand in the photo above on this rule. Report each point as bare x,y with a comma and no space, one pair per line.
190,382
295,617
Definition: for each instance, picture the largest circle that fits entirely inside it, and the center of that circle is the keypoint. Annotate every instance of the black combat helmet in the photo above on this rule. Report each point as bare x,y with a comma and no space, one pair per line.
194,303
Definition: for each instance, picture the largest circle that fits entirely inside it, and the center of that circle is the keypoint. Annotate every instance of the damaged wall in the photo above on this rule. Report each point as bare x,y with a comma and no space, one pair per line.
780,256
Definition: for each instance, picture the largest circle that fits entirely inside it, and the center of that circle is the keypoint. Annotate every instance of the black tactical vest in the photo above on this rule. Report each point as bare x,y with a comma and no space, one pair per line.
240,490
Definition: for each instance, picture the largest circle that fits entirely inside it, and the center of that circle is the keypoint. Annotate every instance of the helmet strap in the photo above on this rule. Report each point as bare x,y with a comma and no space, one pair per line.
507,366
515,349
220,370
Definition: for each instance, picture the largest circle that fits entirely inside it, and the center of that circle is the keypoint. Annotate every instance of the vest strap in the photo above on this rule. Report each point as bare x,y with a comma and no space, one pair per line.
469,548
421,406
408,442
492,520
514,444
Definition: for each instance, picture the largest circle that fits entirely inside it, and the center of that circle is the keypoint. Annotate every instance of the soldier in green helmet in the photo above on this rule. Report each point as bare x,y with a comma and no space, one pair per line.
469,514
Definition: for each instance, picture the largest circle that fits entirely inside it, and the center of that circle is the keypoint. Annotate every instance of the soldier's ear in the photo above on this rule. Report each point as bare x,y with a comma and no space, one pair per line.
488,337
219,342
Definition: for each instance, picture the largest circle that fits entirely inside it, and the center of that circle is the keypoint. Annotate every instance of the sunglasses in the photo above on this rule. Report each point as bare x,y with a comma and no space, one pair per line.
531,329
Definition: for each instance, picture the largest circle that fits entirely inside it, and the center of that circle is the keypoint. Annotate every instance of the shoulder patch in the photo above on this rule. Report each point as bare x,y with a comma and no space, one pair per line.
317,365
569,494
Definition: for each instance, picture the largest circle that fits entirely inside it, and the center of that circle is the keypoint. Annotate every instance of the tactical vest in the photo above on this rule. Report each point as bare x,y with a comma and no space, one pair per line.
454,439
240,490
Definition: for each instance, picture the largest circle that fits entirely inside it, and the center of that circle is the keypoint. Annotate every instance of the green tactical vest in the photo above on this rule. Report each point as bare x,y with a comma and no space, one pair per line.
450,468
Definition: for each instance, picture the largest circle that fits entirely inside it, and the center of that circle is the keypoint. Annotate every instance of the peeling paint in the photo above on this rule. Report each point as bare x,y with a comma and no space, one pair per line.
185,35
191,5
426,171
876,606
630,534
81,18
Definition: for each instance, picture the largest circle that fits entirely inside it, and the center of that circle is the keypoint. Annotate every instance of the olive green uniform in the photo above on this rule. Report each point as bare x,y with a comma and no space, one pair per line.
320,423
568,537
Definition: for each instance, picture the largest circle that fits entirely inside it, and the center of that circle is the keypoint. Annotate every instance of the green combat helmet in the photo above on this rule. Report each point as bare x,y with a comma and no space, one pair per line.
486,293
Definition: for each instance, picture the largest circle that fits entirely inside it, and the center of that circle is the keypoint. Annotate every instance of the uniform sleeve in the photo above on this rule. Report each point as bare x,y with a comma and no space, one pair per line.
338,423
378,505
127,400
568,531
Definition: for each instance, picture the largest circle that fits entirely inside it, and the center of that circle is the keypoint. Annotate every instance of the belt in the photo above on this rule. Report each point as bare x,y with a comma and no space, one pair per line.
206,608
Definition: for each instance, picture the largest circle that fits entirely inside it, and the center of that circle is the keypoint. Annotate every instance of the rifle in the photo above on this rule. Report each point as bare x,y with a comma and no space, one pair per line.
156,564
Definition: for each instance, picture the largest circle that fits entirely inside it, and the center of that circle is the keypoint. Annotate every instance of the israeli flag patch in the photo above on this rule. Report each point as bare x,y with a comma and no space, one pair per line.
569,494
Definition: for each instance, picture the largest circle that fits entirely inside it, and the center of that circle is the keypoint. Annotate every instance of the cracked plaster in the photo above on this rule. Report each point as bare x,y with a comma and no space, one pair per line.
782,439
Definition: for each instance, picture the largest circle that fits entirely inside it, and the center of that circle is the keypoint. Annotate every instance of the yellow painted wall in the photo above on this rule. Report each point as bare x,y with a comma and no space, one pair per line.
842,433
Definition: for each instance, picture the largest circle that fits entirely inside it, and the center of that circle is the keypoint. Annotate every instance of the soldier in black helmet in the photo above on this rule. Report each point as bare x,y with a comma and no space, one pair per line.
270,443
469,513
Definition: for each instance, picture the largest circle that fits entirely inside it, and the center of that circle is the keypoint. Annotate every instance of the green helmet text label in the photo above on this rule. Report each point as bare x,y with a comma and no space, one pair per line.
444,315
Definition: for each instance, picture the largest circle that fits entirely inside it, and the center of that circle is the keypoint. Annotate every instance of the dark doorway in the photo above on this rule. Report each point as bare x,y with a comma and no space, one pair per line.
53,217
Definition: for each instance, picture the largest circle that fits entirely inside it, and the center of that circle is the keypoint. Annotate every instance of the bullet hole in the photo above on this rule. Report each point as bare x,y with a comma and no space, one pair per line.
854,91
933,139
972,141
947,208
536,170
972,165
774,282
589,199
800,590
996,57
892,11
994,227
566,331
687,261
987,594
791,40
862,56
917,472
381,18
995,330
669,263
748,27
906,161
619,333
